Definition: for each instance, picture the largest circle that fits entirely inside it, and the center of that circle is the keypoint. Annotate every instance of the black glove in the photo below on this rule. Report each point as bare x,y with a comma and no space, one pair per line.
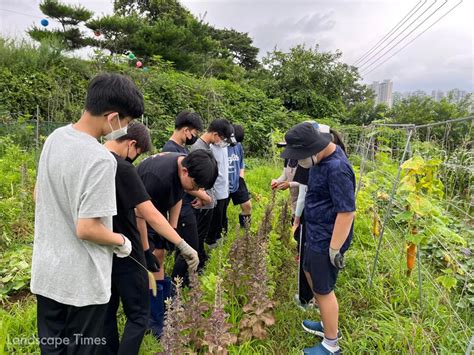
152,263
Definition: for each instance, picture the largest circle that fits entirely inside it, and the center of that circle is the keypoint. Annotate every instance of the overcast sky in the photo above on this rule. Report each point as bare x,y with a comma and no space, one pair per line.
442,58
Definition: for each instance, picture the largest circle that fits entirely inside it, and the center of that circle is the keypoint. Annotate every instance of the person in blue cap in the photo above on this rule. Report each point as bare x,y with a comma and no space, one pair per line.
329,211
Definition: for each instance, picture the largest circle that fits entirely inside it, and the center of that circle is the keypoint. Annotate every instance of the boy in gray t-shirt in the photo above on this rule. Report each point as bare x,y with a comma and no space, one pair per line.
75,202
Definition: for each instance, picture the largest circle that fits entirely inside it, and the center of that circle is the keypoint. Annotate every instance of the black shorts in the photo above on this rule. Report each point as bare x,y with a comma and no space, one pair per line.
323,273
156,241
241,195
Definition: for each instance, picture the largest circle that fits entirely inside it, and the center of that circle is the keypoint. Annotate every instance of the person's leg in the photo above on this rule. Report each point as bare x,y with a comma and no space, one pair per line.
225,220
187,229
305,290
203,218
85,329
110,324
215,229
51,322
329,310
133,289
322,276
242,198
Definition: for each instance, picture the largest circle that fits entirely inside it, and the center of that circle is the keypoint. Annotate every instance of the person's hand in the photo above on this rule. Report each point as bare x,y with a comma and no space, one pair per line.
125,249
197,203
283,185
296,224
337,259
189,254
152,263
207,200
274,184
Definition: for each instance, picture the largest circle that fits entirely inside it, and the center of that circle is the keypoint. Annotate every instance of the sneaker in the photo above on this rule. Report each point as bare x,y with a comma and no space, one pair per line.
316,328
305,306
320,349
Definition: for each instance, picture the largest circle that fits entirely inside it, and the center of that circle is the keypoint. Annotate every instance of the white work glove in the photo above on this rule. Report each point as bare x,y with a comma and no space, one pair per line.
189,254
125,249
337,259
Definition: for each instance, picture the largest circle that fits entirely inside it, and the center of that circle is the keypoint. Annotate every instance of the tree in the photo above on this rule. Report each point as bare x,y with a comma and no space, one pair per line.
69,17
313,82
239,46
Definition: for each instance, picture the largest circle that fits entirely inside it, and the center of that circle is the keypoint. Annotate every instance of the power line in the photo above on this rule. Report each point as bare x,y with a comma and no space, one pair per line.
20,13
407,44
398,35
390,32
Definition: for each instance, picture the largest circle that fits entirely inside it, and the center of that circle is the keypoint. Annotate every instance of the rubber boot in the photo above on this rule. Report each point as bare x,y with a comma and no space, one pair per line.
244,220
157,312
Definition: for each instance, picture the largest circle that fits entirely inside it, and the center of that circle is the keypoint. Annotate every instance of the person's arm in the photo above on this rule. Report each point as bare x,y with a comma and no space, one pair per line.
299,205
202,195
242,173
146,211
93,230
342,227
174,214
141,226
159,223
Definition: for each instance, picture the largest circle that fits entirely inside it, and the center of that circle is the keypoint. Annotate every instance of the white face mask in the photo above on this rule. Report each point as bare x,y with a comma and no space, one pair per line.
223,144
113,135
307,163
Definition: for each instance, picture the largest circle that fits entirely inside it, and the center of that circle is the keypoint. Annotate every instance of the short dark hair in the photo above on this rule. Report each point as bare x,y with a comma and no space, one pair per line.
202,167
137,131
188,119
114,92
239,133
221,126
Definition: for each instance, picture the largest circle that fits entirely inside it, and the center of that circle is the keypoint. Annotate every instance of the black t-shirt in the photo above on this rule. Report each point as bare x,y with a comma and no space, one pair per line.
173,147
130,192
159,174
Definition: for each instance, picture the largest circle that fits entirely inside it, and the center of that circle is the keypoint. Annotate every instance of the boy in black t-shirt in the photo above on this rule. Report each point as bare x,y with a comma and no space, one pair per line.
129,280
186,131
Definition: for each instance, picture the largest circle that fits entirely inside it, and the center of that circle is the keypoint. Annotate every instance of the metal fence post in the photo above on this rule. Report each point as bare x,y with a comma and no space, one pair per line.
389,206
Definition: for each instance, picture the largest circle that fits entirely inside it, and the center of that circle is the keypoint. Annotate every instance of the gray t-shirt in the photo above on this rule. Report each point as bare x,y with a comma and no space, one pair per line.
221,186
76,179
200,144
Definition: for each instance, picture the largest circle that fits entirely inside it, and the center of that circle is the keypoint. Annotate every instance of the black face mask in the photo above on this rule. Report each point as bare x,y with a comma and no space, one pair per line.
130,160
192,140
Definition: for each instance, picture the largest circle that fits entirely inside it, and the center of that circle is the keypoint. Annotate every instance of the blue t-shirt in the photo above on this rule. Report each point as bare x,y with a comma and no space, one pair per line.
331,189
236,163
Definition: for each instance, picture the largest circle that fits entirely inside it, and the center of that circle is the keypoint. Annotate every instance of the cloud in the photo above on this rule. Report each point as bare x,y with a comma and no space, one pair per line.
309,29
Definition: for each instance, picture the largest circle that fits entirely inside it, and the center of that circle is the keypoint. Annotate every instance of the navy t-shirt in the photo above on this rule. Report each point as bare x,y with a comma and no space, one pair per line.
173,147
331,189
236,163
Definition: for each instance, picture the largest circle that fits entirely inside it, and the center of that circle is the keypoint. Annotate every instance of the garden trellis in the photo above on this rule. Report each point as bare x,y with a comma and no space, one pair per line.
454,154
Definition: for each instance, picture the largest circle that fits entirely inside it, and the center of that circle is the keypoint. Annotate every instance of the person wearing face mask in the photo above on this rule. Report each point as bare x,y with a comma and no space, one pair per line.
329,212
186,131
75,201
166,176
130,280
187,127
218,132
221,188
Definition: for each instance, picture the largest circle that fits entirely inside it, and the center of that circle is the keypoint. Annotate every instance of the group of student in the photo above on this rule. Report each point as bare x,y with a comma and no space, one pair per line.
101,222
